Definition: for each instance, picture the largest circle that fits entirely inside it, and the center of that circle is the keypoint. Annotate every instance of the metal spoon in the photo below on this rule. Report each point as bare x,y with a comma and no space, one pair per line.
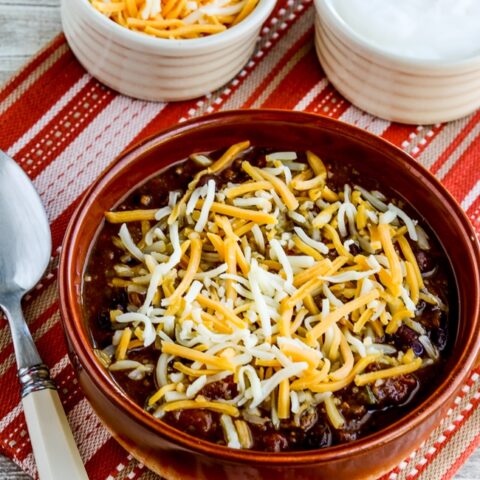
25,246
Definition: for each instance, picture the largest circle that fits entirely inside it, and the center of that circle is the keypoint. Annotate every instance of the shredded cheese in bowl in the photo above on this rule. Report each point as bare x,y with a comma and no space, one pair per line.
176,19
281,282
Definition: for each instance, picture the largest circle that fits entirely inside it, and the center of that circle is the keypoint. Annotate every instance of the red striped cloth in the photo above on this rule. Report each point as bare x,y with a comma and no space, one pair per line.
64,128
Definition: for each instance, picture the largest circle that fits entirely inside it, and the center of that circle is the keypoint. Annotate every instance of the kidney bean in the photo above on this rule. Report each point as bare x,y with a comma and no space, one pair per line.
103,321
439,337
196,422
406,338
425,263
319,436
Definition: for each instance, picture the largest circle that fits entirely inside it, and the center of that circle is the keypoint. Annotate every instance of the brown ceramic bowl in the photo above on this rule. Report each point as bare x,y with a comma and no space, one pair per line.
177,455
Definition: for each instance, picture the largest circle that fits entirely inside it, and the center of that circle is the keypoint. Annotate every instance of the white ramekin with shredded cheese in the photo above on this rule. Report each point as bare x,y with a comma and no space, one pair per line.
155,65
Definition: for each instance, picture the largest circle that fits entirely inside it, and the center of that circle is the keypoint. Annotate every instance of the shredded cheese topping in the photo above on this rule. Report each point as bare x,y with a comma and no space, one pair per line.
257,279
176,19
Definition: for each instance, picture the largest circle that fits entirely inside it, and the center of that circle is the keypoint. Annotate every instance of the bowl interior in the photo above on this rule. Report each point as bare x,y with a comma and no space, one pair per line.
334,141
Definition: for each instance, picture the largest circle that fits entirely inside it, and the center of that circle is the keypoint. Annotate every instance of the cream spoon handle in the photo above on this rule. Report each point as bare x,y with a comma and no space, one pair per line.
54,447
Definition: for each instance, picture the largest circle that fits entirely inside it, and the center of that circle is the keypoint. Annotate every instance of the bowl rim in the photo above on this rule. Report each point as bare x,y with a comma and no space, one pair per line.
326,11
259,14
71,314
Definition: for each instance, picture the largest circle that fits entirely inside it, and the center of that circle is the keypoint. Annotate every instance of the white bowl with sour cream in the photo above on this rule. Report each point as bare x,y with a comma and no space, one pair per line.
158,69
414,61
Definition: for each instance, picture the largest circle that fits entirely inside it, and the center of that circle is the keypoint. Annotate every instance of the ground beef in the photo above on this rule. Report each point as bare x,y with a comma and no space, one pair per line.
431,317
119,300
355,415
225,389
395,390
274,442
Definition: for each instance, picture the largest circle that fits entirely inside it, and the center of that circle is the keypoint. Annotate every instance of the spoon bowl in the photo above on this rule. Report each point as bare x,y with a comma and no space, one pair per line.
25,240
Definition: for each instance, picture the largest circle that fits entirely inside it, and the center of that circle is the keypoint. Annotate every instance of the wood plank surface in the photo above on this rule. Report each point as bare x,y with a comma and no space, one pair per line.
25,26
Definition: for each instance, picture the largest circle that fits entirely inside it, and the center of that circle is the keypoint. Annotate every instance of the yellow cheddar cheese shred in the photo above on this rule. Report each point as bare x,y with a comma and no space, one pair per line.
202,404
320,268
192,269
335,417
228,157
410,257
324,217
280,187
359,367
391,254
307,249
192,372
219,325
335,238
222,309
284,399
130,216
196,356
234,192
237,212
348,360
316,164
312,378
341,312
160,393
412,282
122,347
371,377
314,283
231,261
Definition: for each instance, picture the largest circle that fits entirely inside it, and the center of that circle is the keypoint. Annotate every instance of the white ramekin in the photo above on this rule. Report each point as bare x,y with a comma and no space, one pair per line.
391,86
158,69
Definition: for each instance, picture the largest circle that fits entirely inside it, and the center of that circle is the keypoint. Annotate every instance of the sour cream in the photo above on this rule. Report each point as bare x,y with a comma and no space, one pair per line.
420,29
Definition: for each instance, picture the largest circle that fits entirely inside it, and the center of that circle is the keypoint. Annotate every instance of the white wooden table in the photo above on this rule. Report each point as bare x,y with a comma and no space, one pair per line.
25,26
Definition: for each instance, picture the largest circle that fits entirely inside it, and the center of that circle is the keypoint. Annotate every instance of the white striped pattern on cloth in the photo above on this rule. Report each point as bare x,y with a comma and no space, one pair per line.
439,144
27,137
311,95
113,129
471,196
466,142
